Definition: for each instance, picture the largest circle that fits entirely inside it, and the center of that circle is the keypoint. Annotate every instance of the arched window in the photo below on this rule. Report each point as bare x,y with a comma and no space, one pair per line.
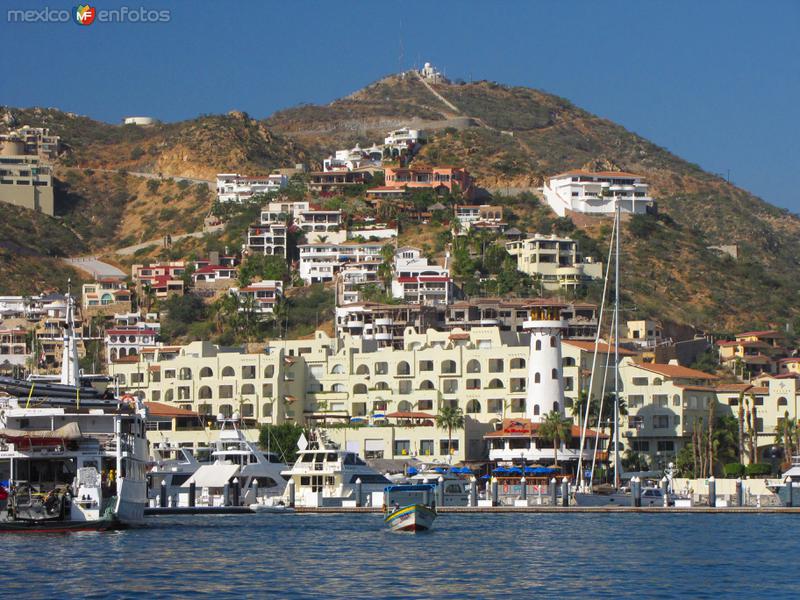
381,385
123,352
248,389
568,361
185,373
404,406
113,354
247,410
403,368
782,401
266,409
657,381
226,410
134,352
269,371
206,372
337,370
517,363
495,384
204,393
473,407
426,385
535,409
362,370
555,406
474,366
552,341
337,387
538,344
554,373
537,378
169,395
448,366
360,388
228,372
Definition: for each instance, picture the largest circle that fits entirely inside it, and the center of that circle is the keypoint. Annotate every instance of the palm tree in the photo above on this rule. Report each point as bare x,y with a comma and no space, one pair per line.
450,418
556,429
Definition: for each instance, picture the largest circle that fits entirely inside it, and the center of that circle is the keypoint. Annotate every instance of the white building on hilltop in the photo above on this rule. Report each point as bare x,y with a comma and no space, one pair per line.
431,75
232,187
354,158
597,192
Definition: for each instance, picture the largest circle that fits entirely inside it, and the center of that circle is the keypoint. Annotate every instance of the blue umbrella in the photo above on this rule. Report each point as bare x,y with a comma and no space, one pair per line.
500,470
515,470
440,470
412,470
466,470
486,477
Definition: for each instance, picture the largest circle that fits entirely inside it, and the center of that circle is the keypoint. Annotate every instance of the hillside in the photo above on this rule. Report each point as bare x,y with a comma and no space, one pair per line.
509,138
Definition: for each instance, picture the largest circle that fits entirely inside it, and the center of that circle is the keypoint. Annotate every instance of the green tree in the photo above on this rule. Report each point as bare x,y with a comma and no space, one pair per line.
385,268
281,439
181,313
450,418
556,429
263,266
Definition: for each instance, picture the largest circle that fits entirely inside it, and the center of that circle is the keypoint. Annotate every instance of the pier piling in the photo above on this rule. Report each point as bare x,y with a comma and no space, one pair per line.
665,490
226,495
440,491
523,492
192,493
712,491
473,492
163,495
739,492
359,498
553,492
789,492
494,491
565,492
290,488
235,492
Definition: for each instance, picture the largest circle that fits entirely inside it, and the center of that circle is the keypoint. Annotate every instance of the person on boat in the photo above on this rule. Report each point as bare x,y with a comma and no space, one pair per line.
108,394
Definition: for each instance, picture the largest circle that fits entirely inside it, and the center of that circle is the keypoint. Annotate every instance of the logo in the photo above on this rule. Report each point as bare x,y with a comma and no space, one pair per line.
84,14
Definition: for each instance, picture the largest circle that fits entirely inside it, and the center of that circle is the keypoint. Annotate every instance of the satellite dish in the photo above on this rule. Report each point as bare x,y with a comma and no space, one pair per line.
236,416
220,417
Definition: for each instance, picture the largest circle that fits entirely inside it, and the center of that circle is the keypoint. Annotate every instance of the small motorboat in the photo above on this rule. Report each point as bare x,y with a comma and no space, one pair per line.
409,507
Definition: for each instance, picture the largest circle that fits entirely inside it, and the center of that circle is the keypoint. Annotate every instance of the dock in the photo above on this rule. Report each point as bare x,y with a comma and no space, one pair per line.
152,511
570,509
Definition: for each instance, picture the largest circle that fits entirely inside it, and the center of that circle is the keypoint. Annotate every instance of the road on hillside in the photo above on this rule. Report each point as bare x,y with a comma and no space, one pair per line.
160,177
96,268
127,250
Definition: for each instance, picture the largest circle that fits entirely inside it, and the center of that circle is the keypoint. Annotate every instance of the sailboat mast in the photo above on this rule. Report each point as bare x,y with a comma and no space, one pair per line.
616,350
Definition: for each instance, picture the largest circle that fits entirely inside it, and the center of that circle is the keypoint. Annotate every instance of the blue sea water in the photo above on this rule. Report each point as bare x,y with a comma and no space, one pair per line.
476,555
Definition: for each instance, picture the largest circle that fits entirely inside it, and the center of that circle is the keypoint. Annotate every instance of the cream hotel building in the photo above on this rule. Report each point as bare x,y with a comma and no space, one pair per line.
382,402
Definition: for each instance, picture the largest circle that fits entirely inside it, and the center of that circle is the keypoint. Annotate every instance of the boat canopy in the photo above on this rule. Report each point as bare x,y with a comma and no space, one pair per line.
70,431
212,476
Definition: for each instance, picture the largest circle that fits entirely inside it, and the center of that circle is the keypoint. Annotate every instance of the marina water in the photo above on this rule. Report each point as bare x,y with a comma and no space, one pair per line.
354,556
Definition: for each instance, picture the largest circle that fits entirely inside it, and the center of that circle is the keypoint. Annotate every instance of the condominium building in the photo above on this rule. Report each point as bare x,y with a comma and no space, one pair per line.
25,180
404,139
417,281
753,353
268,236
232,187
36,141
14,350
125,342
321,262
105,297
554,261
163,279
597,192
665,403
385,324
450,179
335,182
479,216
260,296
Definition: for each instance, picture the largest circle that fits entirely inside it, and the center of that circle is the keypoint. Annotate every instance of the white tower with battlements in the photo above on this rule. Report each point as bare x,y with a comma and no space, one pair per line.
545,382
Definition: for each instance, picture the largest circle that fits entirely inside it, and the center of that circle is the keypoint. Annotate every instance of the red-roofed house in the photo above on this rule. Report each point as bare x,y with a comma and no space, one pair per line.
164,279
753,353
417,281
105,296
261,296
455,180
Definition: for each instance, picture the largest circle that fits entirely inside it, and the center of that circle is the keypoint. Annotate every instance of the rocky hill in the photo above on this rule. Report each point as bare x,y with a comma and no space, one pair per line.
509,138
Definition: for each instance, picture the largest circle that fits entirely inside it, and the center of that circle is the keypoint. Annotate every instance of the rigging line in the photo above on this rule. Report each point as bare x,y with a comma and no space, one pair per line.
600,414
596,347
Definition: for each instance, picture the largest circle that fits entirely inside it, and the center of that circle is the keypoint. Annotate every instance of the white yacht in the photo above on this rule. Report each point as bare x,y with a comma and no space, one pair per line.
456,488
236,461
69,462
325,475
172,466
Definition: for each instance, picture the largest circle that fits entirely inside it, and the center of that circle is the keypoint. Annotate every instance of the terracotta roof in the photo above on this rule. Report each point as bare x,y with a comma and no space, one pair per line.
458,336
602,347
766,333
761,389
675,371
733,387
697,388
159,409
130,332
791,359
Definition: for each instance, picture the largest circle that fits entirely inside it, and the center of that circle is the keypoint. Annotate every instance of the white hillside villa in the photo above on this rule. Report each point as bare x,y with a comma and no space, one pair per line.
596,193
232,187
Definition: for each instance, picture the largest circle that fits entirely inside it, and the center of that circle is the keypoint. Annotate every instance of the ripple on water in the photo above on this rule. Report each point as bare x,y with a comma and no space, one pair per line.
355,556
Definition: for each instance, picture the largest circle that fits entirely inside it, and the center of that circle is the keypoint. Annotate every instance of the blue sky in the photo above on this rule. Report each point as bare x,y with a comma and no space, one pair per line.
717,82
